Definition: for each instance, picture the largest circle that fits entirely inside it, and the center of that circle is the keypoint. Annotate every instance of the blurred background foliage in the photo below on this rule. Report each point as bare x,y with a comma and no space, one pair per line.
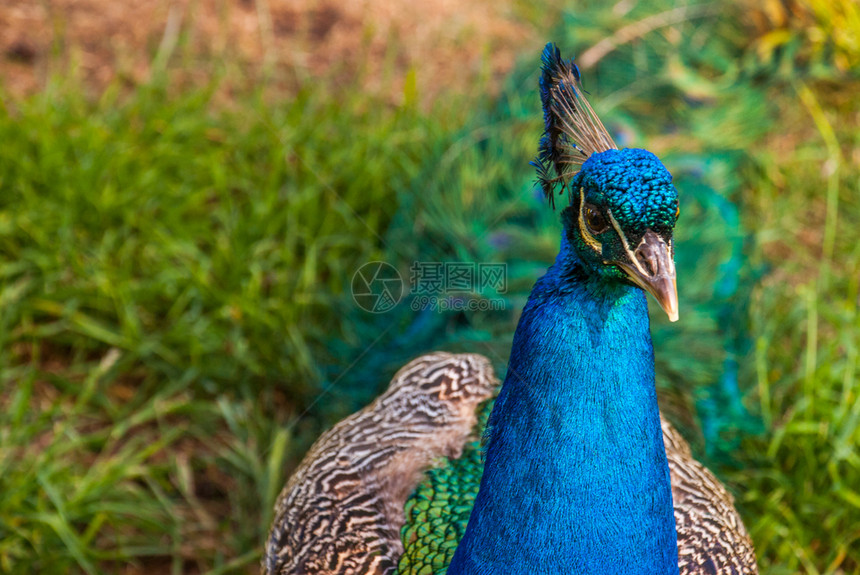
176,256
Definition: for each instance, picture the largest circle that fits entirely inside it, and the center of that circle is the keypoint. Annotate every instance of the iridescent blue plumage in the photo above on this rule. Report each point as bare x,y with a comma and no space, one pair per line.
576,478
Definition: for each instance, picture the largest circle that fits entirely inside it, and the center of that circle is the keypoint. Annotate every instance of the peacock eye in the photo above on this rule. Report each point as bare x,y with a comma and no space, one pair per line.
594,219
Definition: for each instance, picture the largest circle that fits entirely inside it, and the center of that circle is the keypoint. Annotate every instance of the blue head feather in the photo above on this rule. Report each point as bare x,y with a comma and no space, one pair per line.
634,184
634,187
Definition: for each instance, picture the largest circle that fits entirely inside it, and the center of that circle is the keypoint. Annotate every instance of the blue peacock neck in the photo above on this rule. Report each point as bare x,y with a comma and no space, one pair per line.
576,478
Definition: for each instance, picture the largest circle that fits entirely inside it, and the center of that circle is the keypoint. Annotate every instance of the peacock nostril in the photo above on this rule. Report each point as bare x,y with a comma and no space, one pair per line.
647,259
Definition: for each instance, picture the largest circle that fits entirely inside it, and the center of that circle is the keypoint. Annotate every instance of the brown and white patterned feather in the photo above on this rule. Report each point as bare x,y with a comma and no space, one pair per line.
712,539
342,510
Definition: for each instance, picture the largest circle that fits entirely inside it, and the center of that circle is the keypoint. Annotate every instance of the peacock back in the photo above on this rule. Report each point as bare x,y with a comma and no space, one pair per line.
438,510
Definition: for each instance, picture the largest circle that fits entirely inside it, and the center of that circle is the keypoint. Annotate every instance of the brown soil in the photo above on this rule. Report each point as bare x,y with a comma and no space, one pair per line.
447,42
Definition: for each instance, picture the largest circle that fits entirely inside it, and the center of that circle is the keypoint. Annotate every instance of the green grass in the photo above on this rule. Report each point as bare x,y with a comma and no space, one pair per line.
244,205
169,272
803,477
176,328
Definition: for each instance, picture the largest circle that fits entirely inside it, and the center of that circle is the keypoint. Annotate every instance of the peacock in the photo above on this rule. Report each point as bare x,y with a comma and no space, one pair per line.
576,471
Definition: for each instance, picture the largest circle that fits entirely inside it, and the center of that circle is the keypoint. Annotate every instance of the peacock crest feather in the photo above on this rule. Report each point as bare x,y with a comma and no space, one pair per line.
572,130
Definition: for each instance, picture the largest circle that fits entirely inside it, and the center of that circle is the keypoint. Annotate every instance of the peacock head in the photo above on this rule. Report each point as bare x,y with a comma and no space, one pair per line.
620,221
623,206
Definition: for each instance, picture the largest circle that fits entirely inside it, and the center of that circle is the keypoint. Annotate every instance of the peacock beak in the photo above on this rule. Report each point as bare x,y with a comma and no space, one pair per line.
652,267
